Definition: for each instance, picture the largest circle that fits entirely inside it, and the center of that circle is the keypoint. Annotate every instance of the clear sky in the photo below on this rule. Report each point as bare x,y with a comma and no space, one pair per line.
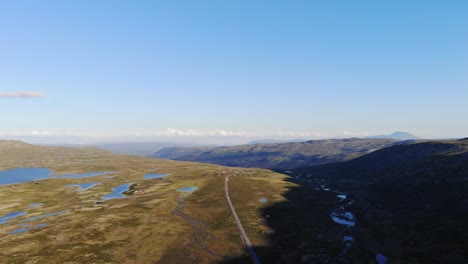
265,68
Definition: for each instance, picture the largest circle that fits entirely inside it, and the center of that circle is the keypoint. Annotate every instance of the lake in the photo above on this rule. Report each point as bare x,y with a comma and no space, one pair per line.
22,175
117,192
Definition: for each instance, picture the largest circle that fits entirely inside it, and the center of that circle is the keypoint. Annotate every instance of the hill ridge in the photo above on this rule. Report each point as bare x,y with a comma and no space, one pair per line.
278,155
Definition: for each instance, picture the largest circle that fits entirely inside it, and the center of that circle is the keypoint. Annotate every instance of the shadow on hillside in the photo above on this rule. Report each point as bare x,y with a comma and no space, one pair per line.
303,231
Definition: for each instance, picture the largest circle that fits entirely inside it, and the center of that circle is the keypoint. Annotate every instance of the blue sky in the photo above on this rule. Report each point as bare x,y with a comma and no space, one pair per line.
259,68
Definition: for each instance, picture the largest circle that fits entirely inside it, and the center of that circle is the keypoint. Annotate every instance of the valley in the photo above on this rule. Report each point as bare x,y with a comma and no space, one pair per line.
404,203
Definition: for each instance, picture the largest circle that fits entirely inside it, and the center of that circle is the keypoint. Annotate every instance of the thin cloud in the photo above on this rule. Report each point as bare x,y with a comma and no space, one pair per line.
355,134
175,132
21,94
196,133
39,133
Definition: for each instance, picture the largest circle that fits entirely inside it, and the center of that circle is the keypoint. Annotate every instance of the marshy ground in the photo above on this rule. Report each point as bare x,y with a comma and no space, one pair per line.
155,223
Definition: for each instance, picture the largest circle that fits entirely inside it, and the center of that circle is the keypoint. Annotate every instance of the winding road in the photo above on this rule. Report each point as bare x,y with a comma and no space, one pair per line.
248,245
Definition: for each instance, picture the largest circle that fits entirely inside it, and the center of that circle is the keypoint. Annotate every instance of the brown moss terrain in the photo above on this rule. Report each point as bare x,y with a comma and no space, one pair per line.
142,228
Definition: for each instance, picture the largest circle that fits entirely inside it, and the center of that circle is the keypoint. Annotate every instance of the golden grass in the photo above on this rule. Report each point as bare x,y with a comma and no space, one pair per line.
138,229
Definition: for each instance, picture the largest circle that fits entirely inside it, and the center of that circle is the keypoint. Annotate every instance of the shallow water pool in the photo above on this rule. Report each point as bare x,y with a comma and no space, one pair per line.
189,189
117,192
154,176
6,218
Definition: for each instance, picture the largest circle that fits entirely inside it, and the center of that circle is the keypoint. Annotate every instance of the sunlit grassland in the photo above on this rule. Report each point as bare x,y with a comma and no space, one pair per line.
137,229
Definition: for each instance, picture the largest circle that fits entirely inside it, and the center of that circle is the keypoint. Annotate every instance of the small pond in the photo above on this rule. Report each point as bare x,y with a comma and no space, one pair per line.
154,176
341,196
6,218
345,218
117,192
189,189
263,200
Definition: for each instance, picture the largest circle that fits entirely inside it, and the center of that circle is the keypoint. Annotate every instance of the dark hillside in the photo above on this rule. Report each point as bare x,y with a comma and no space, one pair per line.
411,199
399,161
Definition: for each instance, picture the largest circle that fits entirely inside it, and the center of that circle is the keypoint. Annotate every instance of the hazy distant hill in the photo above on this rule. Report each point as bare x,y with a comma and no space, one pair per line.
412,199
397,135
279,156
274,141
146,148
136,148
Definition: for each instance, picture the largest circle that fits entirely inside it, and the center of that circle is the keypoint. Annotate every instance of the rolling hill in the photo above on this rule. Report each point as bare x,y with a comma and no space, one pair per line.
278,156
136,148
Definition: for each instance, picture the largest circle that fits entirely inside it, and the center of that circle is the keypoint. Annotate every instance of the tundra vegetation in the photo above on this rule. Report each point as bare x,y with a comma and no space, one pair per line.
155,223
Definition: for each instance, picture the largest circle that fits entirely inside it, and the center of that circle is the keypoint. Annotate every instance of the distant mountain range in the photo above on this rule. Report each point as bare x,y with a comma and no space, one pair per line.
279,155
273,141
136,148
130,148
397,135
146,146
